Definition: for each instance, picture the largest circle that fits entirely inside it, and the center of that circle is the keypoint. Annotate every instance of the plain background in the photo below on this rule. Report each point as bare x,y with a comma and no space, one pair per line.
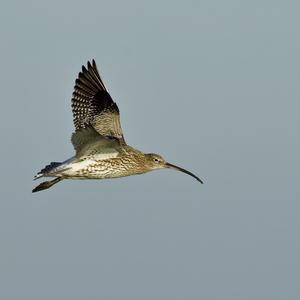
213,86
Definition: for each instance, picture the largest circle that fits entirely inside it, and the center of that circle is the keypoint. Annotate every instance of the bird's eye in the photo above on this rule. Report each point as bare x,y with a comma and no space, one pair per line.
156,159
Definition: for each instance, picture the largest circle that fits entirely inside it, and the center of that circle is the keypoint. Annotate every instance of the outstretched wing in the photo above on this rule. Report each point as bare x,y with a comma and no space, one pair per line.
92,104
87,141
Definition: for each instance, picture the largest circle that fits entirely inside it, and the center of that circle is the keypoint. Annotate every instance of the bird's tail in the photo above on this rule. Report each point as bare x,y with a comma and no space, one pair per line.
46,184
49,168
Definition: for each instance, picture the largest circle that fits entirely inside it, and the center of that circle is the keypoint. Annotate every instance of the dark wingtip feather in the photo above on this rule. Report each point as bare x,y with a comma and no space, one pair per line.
84,70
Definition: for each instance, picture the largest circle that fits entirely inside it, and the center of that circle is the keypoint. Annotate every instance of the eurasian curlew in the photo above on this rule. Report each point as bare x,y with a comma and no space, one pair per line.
101,150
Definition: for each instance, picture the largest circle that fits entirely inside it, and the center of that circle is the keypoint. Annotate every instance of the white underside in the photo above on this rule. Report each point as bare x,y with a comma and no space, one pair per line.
73,167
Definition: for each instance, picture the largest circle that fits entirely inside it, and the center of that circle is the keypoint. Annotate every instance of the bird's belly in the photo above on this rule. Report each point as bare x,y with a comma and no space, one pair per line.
96,169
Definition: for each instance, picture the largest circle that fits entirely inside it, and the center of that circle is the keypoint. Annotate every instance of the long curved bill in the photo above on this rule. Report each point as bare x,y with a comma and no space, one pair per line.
168,165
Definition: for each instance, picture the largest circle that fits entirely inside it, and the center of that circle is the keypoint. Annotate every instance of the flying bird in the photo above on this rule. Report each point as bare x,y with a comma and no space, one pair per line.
100,148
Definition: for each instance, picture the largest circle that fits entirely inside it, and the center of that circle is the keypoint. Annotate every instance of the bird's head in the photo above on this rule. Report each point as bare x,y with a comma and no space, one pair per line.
155,161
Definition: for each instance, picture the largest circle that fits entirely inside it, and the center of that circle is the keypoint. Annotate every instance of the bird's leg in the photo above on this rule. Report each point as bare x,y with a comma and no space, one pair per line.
46,184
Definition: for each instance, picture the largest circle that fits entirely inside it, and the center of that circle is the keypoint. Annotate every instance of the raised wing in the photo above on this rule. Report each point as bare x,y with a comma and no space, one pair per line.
92,105
87,141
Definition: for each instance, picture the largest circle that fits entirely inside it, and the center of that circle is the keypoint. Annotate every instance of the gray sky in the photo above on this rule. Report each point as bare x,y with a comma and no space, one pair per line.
213,86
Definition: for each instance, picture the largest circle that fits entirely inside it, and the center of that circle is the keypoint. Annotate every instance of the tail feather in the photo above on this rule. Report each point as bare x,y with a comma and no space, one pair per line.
47,169
46,184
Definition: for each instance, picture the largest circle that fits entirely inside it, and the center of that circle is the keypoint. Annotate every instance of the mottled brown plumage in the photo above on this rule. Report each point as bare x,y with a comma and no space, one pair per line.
101,150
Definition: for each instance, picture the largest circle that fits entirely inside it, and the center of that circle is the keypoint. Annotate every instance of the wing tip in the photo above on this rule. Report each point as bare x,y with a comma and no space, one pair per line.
90,64
90,74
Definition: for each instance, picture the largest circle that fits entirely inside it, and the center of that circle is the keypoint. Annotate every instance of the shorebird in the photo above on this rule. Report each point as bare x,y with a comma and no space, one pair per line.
101,150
